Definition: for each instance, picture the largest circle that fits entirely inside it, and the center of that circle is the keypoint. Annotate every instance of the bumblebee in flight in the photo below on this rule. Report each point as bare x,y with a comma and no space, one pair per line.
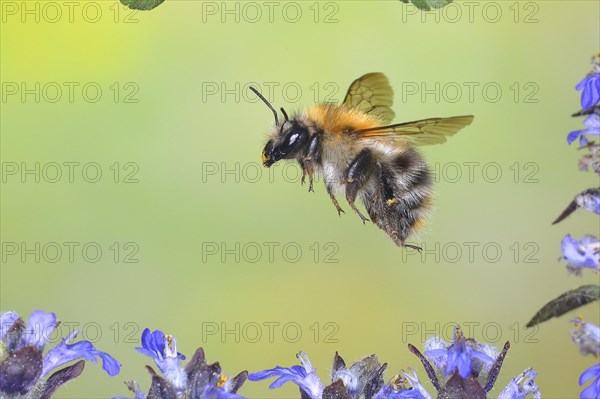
357,152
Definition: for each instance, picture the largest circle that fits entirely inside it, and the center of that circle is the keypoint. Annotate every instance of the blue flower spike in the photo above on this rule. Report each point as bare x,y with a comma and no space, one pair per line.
459,355
590,85
582,254
163,349
24,370
592,128
363,379
587,337
196,380
468,369
590,101
585,253
304,376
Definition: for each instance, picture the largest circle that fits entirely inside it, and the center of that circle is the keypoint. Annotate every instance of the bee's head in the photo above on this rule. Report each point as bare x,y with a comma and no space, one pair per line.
288,139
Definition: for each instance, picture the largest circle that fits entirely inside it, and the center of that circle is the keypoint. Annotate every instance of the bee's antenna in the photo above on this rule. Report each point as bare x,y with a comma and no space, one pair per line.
266,102
285,114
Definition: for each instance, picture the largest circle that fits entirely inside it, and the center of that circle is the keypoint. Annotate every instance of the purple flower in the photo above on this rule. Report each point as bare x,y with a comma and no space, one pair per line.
593,390
163,349
363,379
196,380
64,353
23,368
521,386
586,336
458,356
304,376
592,123
590,90
467,369
584,253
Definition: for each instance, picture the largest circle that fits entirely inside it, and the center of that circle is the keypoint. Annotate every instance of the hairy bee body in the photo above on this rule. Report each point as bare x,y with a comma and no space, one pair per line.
357,155
393,182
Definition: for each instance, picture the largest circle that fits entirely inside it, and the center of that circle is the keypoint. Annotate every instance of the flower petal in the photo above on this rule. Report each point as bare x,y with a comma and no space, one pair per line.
283,375
482,356
303,376
571,137
592,122
64,353
212,392
464,364
436,353
521,386
590,373
591,392
413,379
7,320
580,254
39,327
590,90
153,344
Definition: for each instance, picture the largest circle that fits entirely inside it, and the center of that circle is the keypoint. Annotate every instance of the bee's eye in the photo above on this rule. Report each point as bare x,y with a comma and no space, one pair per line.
288,145
291,139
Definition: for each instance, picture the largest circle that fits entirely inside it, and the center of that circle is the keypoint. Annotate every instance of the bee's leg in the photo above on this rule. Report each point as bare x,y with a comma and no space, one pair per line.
307,170
333,199
418,248
400,242
312,153
357,175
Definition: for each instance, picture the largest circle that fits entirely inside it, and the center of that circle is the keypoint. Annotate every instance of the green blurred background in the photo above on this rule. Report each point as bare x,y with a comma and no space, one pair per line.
178,138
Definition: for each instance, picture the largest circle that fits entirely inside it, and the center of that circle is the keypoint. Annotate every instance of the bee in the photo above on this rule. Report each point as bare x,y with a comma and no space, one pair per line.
358,152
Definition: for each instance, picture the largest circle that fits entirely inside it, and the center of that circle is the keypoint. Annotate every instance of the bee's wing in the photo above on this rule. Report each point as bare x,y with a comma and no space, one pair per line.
372,94
423,132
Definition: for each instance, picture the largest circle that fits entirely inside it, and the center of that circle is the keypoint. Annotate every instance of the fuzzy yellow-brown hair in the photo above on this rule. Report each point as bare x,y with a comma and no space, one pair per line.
338,119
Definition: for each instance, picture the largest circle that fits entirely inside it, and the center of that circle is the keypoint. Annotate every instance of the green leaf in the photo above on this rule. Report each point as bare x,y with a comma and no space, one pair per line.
427,5
142,4
566,302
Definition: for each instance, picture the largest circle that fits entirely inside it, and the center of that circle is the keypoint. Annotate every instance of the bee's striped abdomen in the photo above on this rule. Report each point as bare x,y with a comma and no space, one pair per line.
399,200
